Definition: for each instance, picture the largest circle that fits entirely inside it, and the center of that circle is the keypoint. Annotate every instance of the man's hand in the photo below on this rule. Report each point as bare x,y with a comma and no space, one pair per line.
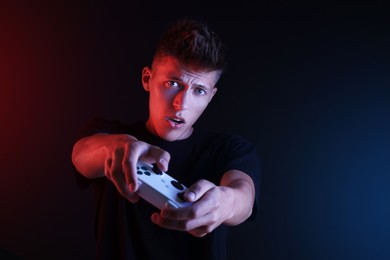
230,204
116,157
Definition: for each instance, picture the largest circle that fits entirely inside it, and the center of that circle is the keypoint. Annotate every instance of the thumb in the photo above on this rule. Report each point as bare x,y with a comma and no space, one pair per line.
197,190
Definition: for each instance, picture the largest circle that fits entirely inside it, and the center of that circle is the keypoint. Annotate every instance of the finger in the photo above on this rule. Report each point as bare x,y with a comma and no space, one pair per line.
107,167
154,154
201,194
201,231
139,150
123,189
129,170
117,181
133,197
197,210
116,164
205,224
131,156
163,162
178,214
168,223
118,177
197,190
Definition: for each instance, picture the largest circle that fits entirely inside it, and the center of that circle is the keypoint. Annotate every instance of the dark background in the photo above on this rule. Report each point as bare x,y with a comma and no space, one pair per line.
308,84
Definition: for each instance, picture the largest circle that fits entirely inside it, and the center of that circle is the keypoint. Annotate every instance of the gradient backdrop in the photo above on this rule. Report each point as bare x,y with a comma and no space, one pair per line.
308,84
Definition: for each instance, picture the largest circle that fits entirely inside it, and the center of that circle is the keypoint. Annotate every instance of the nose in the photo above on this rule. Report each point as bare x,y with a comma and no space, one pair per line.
181,100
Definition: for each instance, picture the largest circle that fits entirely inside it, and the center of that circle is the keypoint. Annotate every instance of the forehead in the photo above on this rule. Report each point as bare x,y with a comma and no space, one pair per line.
171,67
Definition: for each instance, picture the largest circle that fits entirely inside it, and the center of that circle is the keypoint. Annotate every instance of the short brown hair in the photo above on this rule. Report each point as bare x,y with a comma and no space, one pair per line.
193,42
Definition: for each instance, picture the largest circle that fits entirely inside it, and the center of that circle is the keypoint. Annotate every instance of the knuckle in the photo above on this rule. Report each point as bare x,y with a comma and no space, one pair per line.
213,217
134,145
197,187
185,226
107,173
194,213
125,163
165,154
198,234
202,182
209,229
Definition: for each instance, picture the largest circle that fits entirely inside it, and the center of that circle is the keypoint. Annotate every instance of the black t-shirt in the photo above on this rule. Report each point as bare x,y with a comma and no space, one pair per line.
124,230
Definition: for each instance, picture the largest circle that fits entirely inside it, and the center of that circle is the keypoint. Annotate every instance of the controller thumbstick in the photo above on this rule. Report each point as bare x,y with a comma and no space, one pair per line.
156,169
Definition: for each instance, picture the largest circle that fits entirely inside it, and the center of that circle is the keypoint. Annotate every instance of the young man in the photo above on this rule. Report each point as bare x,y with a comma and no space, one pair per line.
220,170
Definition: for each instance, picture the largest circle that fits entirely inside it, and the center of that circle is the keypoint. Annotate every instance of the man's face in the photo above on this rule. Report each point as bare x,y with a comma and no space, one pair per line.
178,96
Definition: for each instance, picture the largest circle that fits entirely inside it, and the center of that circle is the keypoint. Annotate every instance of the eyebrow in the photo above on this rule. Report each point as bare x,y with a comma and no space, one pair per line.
173,76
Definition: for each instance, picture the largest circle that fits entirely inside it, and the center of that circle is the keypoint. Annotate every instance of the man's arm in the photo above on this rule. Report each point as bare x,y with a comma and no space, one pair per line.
115,156
243,194
89,153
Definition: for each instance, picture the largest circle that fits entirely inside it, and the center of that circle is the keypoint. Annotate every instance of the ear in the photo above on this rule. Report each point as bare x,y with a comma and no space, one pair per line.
146,73
213,93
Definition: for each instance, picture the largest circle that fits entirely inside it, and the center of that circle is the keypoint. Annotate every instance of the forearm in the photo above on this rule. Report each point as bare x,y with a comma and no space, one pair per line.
241,191
89,153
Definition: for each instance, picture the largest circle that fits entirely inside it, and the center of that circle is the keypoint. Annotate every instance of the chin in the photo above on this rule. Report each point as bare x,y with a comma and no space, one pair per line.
169,138
172,136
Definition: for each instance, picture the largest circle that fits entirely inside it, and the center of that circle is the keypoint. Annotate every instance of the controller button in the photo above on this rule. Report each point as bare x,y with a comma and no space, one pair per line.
177,185
147,173
139,172
156,169
180,195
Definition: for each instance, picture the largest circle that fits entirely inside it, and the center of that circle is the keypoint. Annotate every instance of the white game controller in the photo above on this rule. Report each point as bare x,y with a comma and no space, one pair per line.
158,188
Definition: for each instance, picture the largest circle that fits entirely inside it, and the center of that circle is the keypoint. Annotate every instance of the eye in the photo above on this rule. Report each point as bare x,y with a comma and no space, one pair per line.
200,91
173,84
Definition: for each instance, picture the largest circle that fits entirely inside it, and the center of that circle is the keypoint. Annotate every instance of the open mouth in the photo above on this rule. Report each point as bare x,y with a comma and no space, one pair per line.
175,120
